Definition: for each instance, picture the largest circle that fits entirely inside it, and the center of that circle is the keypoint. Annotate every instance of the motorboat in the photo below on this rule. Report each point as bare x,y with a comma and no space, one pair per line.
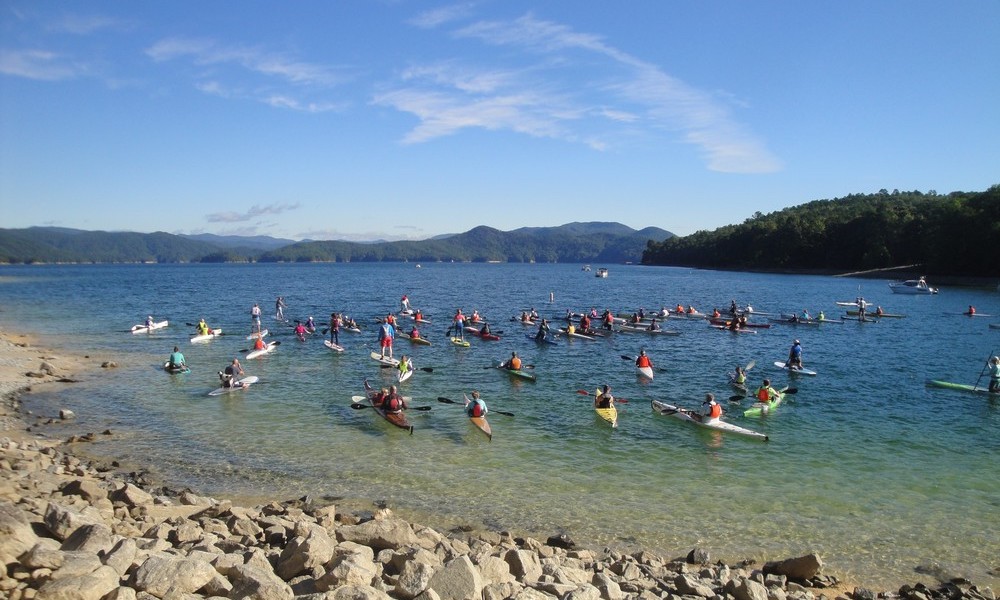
602,272
912,286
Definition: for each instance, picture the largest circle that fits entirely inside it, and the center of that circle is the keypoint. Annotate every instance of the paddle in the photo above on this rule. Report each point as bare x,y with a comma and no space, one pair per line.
425,369
986,366
586,393
358,406
787,391
523,367
450,401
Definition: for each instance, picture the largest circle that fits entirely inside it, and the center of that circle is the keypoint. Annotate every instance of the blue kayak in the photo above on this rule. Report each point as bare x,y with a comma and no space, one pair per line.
546,340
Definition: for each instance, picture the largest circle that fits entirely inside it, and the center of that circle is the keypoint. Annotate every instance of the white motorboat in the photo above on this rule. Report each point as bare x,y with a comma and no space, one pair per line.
912,286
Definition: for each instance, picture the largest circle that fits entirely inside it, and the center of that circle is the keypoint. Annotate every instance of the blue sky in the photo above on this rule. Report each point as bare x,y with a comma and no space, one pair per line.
398,119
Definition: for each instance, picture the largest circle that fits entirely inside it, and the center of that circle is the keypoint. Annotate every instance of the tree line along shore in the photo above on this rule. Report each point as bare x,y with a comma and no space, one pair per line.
72,527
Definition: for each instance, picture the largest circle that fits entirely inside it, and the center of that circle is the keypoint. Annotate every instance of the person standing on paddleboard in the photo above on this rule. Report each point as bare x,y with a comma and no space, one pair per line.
279,308
995,375
386,333
335,328
795,356
459,324
255,317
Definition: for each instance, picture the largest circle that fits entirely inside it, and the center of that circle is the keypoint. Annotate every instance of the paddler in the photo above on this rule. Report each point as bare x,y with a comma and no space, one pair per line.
228,376
710,409
405,364
335,328
475,407
258,344
176,360
740,377
995,375
642,360
203,327
393,403
459,324
765,393
604,399
513,363
795,355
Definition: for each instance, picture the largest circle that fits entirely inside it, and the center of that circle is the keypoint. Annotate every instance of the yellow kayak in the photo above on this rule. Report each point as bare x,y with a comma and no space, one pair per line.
608,414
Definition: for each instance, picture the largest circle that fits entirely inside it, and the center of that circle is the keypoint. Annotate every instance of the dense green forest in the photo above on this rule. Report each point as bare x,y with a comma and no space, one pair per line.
573,242
954,234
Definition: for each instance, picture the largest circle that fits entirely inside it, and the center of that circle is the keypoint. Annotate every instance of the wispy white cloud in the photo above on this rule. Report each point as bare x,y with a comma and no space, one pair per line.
254,212
40,64
439,16
85,24
579,88
282,101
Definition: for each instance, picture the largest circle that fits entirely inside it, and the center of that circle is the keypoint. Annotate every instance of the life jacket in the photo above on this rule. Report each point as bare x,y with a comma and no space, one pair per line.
475,409
714,411
740,378
259,344
642,361
515,364
414,333
763,394
391,320
392,404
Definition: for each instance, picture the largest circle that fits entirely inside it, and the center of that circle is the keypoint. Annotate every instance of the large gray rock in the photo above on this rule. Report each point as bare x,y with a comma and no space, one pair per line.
87,489
381,534
161,575
43,556
252,583
16,534
801,568
524,564
121,557
413,579
357,592
304,554
494,569
90,586
748,589
691,585
90,538
608,587
352,569
76,564
61,521
131,495
458,580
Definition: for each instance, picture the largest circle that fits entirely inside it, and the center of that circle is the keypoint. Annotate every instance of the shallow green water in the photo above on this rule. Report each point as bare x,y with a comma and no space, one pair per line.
866,466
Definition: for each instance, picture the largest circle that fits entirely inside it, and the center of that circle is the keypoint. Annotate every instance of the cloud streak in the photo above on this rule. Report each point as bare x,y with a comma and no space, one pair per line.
41,65
578,89
254,212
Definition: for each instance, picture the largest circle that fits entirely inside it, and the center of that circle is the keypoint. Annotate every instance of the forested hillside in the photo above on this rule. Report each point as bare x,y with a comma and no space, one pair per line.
954,234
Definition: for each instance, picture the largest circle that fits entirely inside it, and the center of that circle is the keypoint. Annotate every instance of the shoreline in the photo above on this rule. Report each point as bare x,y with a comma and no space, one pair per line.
27,364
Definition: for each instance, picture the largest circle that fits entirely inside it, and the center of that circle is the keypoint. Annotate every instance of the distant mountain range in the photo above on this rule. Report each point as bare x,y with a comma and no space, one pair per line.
573,242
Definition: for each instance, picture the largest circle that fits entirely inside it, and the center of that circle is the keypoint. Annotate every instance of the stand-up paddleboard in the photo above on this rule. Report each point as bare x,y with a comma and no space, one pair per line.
256,334
781,365
242,384
459,342
148,328
170,369
962,387
385,360
333,346
266,349
402,376
212,334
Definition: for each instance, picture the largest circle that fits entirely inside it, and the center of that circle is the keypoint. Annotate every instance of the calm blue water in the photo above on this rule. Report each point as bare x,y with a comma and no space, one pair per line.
866,466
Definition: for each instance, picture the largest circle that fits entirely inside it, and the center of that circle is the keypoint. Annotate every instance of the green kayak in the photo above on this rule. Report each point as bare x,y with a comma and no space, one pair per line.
764,408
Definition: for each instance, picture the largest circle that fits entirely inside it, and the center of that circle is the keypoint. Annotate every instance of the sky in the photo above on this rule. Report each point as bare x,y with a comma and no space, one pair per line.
393,119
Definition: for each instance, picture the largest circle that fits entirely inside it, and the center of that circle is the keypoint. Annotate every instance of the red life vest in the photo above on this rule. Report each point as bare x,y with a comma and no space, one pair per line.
642,361
393,403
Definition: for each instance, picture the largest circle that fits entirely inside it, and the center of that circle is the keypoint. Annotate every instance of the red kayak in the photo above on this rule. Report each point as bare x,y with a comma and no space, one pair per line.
725,323
477,333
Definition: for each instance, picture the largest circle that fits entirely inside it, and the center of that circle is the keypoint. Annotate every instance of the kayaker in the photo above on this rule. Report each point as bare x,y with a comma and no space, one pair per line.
379,397
176,360
805,315
418,316
335,328
534,313
255,317
584,324
995,375
607,321
715,313
310,325
604,399
972,310
740,376
653,325
475,318
642,360
259,344
386,333
765,393
405,364
393,403
228,375
525,317
390,319
878,311
476,407
513,363
821,316
485,331
414,333
710,409
795,355
203,327
149,322
300,331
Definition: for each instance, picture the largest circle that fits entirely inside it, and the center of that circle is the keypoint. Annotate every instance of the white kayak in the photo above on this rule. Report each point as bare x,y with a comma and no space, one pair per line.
333,346
267,348
646,372
402,376
148,328
385,360
242,384
782,365
214,333
694,417
255,335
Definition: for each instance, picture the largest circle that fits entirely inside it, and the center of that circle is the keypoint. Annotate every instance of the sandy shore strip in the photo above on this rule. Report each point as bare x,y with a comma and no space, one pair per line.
72,527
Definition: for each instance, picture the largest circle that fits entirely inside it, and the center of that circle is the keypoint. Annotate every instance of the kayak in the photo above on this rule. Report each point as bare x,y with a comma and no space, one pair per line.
847,303
476,332
515,372
781,365
607,414
459,342
761,408
795,321
544,340
859,319
962,387
747,325
213,333
415,340
169,369
242,384
577,334
267,348
333,346
255,335
148,328
385,360
739,330
398,419
693,417
872,313
994,325
961,314
646,372
480,423
633,329
402,376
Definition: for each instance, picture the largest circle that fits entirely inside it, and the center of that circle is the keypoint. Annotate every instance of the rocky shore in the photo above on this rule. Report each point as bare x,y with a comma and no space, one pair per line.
75,529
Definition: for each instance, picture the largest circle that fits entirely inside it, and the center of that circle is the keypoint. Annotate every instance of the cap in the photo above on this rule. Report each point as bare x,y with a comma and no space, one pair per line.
796,341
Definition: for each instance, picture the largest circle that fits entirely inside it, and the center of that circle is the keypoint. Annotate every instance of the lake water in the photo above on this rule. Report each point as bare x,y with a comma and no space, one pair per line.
866,465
